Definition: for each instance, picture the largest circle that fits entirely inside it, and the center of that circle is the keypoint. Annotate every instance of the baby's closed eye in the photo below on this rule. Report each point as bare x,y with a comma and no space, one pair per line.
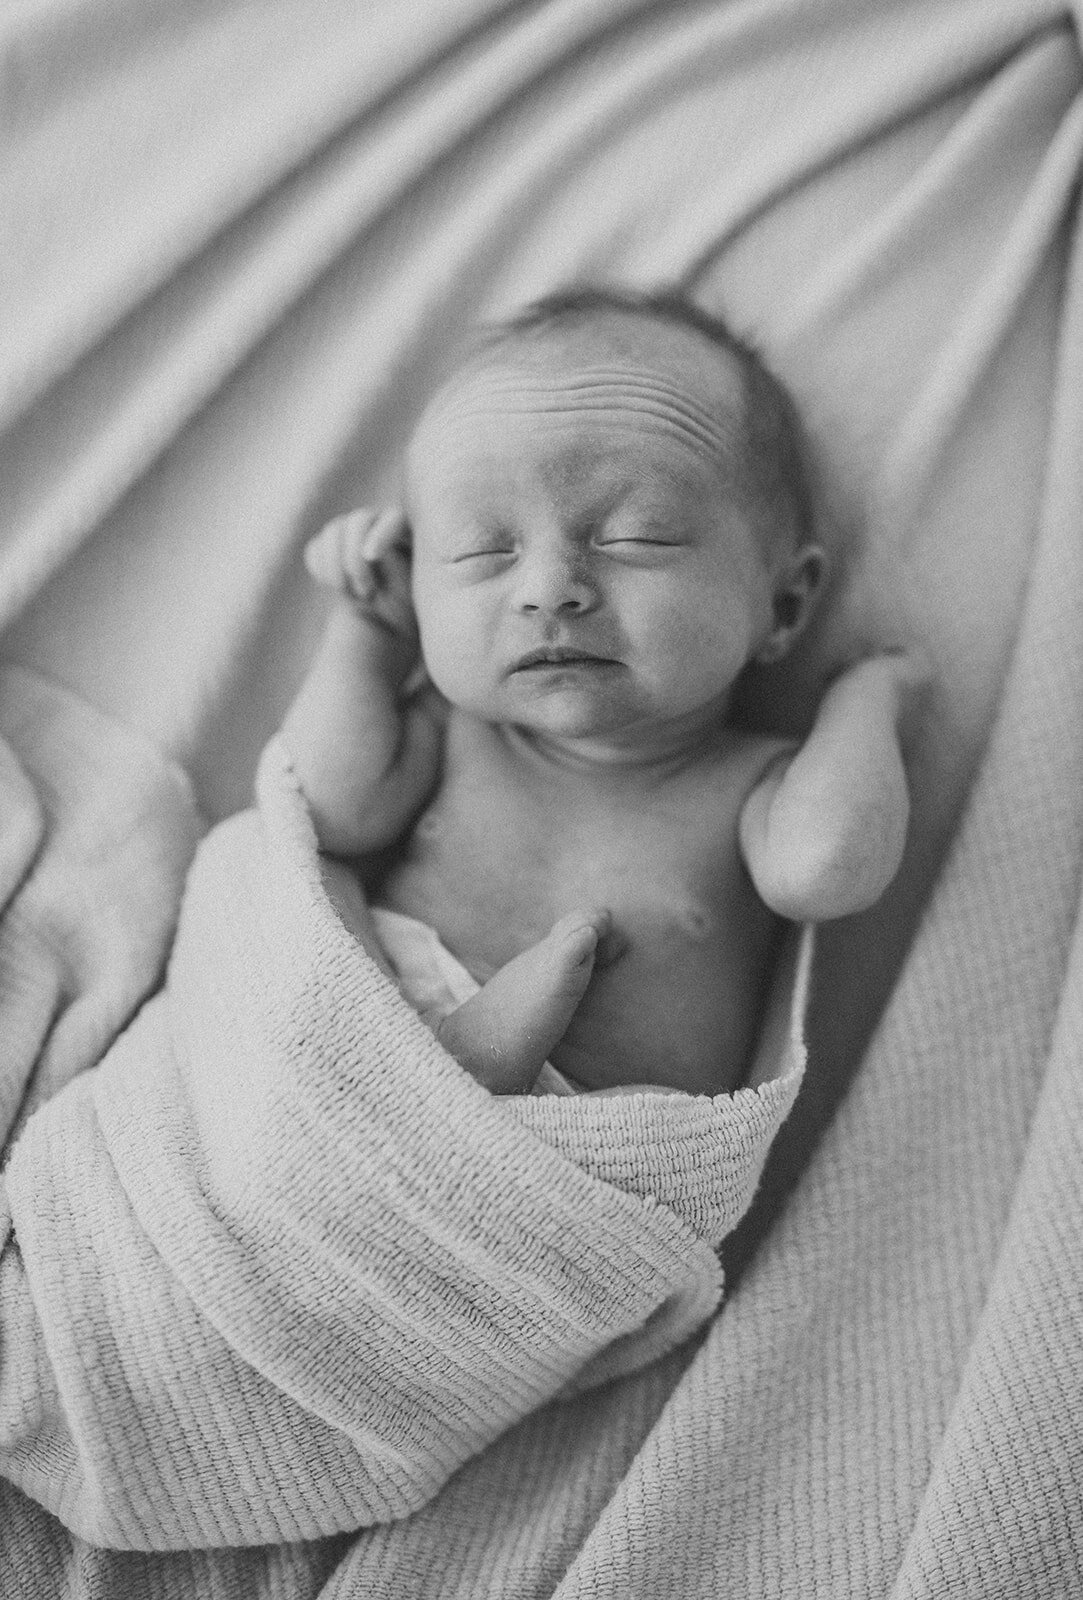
479,552
482,557
629,528
640,549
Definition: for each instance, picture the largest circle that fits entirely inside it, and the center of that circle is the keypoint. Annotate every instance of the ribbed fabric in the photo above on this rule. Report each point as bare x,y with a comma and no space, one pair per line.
276,1183
243,242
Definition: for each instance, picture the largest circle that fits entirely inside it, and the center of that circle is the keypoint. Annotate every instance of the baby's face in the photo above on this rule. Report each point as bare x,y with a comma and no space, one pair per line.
583,566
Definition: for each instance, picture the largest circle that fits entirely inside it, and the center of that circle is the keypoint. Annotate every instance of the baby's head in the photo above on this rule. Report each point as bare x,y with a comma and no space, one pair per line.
610,519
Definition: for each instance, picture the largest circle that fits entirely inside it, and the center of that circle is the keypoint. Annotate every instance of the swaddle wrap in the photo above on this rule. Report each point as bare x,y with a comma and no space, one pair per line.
278,1199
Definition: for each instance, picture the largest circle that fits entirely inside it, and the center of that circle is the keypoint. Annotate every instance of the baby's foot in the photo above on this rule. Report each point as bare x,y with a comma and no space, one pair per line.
504,1034
363,557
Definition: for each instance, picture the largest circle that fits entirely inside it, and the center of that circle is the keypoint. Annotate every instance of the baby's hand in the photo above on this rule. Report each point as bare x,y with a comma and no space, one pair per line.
502,1034
364,556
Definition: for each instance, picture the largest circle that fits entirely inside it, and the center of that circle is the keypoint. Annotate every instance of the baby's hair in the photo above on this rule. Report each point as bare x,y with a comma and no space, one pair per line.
774,451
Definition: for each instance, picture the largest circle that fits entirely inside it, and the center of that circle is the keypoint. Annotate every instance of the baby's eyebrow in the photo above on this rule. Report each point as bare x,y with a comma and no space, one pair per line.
647,488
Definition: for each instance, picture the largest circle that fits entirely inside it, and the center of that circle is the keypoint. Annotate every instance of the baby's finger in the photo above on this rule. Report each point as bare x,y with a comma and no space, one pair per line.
388,532
328,556
354,531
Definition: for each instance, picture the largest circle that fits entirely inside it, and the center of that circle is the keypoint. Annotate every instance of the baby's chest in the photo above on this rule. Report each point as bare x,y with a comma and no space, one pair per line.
491,865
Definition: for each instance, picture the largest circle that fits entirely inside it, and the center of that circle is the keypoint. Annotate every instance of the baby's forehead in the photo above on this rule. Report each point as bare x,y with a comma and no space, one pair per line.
630,375
633,347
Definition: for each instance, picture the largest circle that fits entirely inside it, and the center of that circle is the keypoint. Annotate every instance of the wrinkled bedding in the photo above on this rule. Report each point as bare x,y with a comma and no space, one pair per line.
246,242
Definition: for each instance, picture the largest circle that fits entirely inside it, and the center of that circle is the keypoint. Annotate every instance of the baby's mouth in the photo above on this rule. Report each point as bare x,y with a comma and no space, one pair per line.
551,656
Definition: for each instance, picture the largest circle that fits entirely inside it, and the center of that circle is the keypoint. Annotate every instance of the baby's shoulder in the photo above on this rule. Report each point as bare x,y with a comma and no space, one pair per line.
740,758
705,797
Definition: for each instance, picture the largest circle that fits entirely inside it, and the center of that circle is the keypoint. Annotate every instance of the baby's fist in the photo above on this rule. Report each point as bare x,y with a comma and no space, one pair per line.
363,556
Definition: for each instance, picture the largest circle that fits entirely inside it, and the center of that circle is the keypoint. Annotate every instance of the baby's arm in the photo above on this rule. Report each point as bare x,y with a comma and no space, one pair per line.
366,754
823,832
367,757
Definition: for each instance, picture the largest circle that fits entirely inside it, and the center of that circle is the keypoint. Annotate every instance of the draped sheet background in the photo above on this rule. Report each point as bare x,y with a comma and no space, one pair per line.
245,240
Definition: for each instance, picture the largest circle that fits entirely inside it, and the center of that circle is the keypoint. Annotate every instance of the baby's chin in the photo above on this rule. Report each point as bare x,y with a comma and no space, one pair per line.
577,712
570,707
616,716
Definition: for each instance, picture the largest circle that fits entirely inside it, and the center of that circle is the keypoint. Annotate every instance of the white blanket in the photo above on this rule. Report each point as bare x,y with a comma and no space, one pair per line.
276,1185
241,242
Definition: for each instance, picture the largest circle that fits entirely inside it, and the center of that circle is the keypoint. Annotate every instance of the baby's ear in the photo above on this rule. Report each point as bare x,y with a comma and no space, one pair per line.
797,588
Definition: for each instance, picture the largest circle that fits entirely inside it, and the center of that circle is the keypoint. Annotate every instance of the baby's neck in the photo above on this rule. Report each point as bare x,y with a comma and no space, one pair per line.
651,747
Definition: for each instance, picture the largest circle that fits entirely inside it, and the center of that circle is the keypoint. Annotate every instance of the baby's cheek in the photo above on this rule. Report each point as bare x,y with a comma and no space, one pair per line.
675,636
441,648
697,655
455,656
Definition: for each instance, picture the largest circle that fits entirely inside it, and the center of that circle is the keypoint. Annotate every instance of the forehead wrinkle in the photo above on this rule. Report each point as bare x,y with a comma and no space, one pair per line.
625,400
524,384
509,379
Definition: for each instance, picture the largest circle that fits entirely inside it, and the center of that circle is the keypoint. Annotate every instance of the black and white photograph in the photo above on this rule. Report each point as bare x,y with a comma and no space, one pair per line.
541,800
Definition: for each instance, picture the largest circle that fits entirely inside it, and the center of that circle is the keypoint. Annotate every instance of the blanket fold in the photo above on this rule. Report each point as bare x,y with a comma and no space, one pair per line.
220,333
281,1228
97,829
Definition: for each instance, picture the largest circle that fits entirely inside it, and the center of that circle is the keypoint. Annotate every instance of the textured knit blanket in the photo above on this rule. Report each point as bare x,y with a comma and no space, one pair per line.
240,244
276,1184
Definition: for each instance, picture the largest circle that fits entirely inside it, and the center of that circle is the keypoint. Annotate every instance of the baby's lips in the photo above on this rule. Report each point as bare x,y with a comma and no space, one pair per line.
558,655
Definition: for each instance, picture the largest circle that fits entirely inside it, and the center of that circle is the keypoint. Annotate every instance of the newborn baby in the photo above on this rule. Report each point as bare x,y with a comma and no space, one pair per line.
605,520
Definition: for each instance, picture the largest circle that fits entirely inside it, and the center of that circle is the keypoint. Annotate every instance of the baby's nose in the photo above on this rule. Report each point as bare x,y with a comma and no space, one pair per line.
552,582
